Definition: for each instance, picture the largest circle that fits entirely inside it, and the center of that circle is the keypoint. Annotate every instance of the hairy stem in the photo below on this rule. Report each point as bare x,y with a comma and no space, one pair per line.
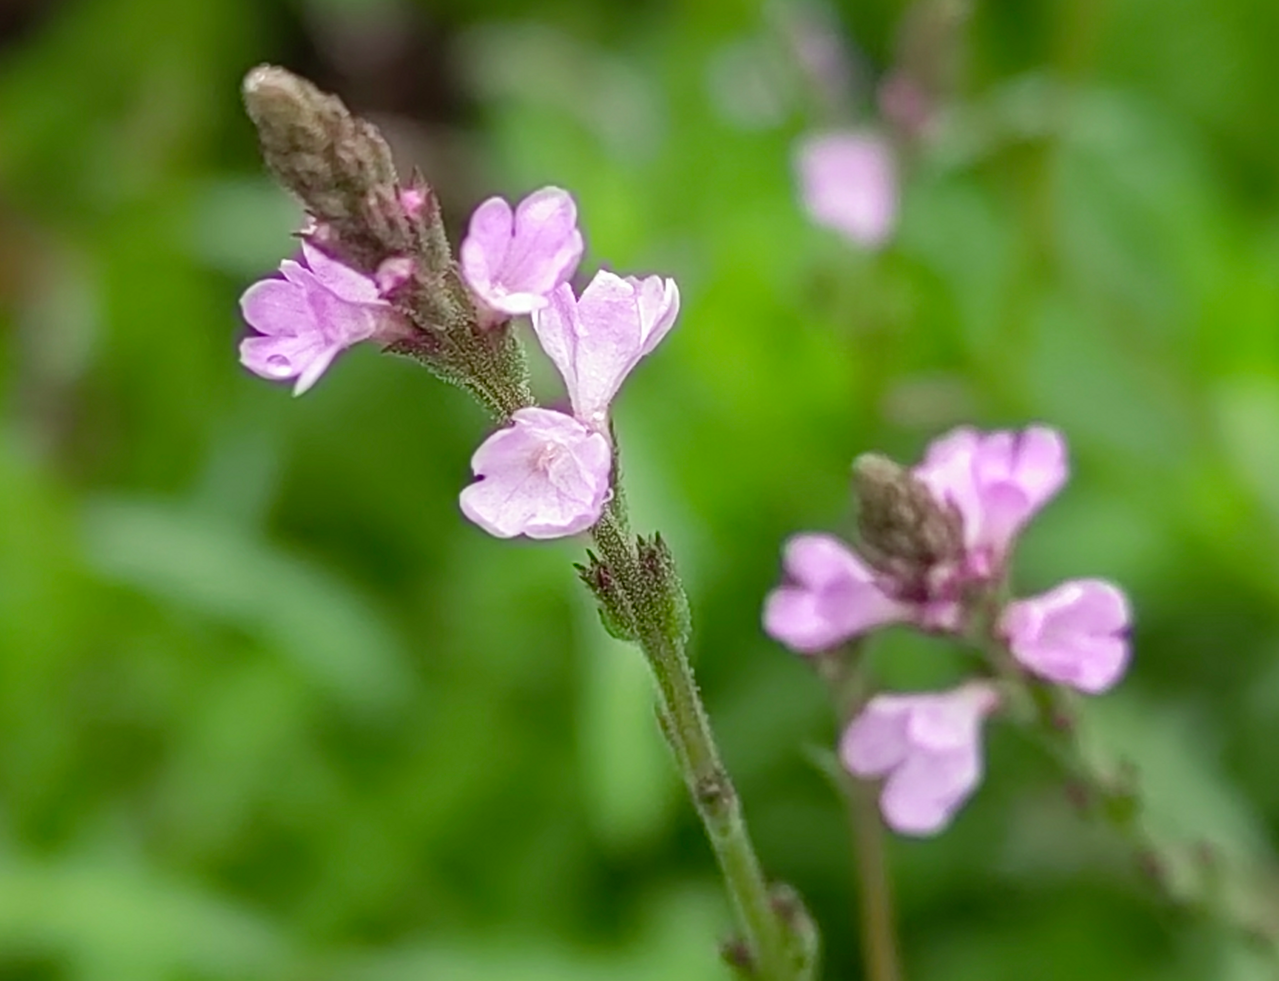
1192,874
687,729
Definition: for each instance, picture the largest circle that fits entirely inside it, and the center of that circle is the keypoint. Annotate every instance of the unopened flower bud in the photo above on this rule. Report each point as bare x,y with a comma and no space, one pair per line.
906,532
667,599
615,611
335,162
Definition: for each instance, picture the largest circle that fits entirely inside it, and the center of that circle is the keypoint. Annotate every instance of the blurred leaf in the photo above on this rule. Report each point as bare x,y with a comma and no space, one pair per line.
333,635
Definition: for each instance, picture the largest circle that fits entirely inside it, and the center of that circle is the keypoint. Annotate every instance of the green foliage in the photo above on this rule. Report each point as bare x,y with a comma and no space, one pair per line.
270,709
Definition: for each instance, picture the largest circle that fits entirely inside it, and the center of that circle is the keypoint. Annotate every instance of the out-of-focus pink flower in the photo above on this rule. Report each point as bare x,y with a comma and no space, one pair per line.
1075,634
927,746
544,476
514,260
998,481
596,340
830,596
305,319
848,182
906,104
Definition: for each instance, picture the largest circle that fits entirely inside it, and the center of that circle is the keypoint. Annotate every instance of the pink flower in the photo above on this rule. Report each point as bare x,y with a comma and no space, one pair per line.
596,340
848,182
307,318
997,481
928,747
514,260
548,474
1076,634
545,476
831,596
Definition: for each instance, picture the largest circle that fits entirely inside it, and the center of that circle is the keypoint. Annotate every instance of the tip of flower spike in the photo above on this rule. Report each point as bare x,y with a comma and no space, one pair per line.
906,532
262,76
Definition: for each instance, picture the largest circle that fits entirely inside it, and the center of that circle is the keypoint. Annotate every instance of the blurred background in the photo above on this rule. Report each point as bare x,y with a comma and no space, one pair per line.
271,709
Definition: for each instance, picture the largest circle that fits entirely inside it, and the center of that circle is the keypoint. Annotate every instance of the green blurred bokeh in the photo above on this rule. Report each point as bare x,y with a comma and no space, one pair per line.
271,709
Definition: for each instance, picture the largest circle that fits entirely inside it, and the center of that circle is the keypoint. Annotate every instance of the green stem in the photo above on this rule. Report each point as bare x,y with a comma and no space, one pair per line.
687,729
1190,874
879,935
845,676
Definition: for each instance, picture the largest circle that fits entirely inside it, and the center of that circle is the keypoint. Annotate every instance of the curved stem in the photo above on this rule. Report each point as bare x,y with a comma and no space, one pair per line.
687,730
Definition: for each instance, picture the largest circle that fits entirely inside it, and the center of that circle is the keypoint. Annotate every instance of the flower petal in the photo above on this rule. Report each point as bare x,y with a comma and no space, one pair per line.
658,300
280,358
546,246
848,182
277,308
1016,474
947,471
833,599
339,279
513,261
608,343
876,741
558,332
1076,634
818,561
928,745
488,239
922,795
544,476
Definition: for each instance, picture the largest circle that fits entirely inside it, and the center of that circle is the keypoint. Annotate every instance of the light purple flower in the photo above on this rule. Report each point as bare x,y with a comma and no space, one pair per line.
998,481
848,182
514,260
830,596
545,476
596,340
1076,634
305,319
927,746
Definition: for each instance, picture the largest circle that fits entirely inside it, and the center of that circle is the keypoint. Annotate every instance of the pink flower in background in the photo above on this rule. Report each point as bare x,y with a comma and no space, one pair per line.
544,476
1075,634
830,596
997,481
848,182
514,260
596,340
305,319
928,749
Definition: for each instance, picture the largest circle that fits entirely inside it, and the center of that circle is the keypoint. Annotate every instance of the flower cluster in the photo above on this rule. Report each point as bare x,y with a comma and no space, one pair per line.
548,473
936,545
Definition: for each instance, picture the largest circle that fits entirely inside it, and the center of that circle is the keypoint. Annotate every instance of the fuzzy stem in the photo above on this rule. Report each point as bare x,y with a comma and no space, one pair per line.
687,729
1192,875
